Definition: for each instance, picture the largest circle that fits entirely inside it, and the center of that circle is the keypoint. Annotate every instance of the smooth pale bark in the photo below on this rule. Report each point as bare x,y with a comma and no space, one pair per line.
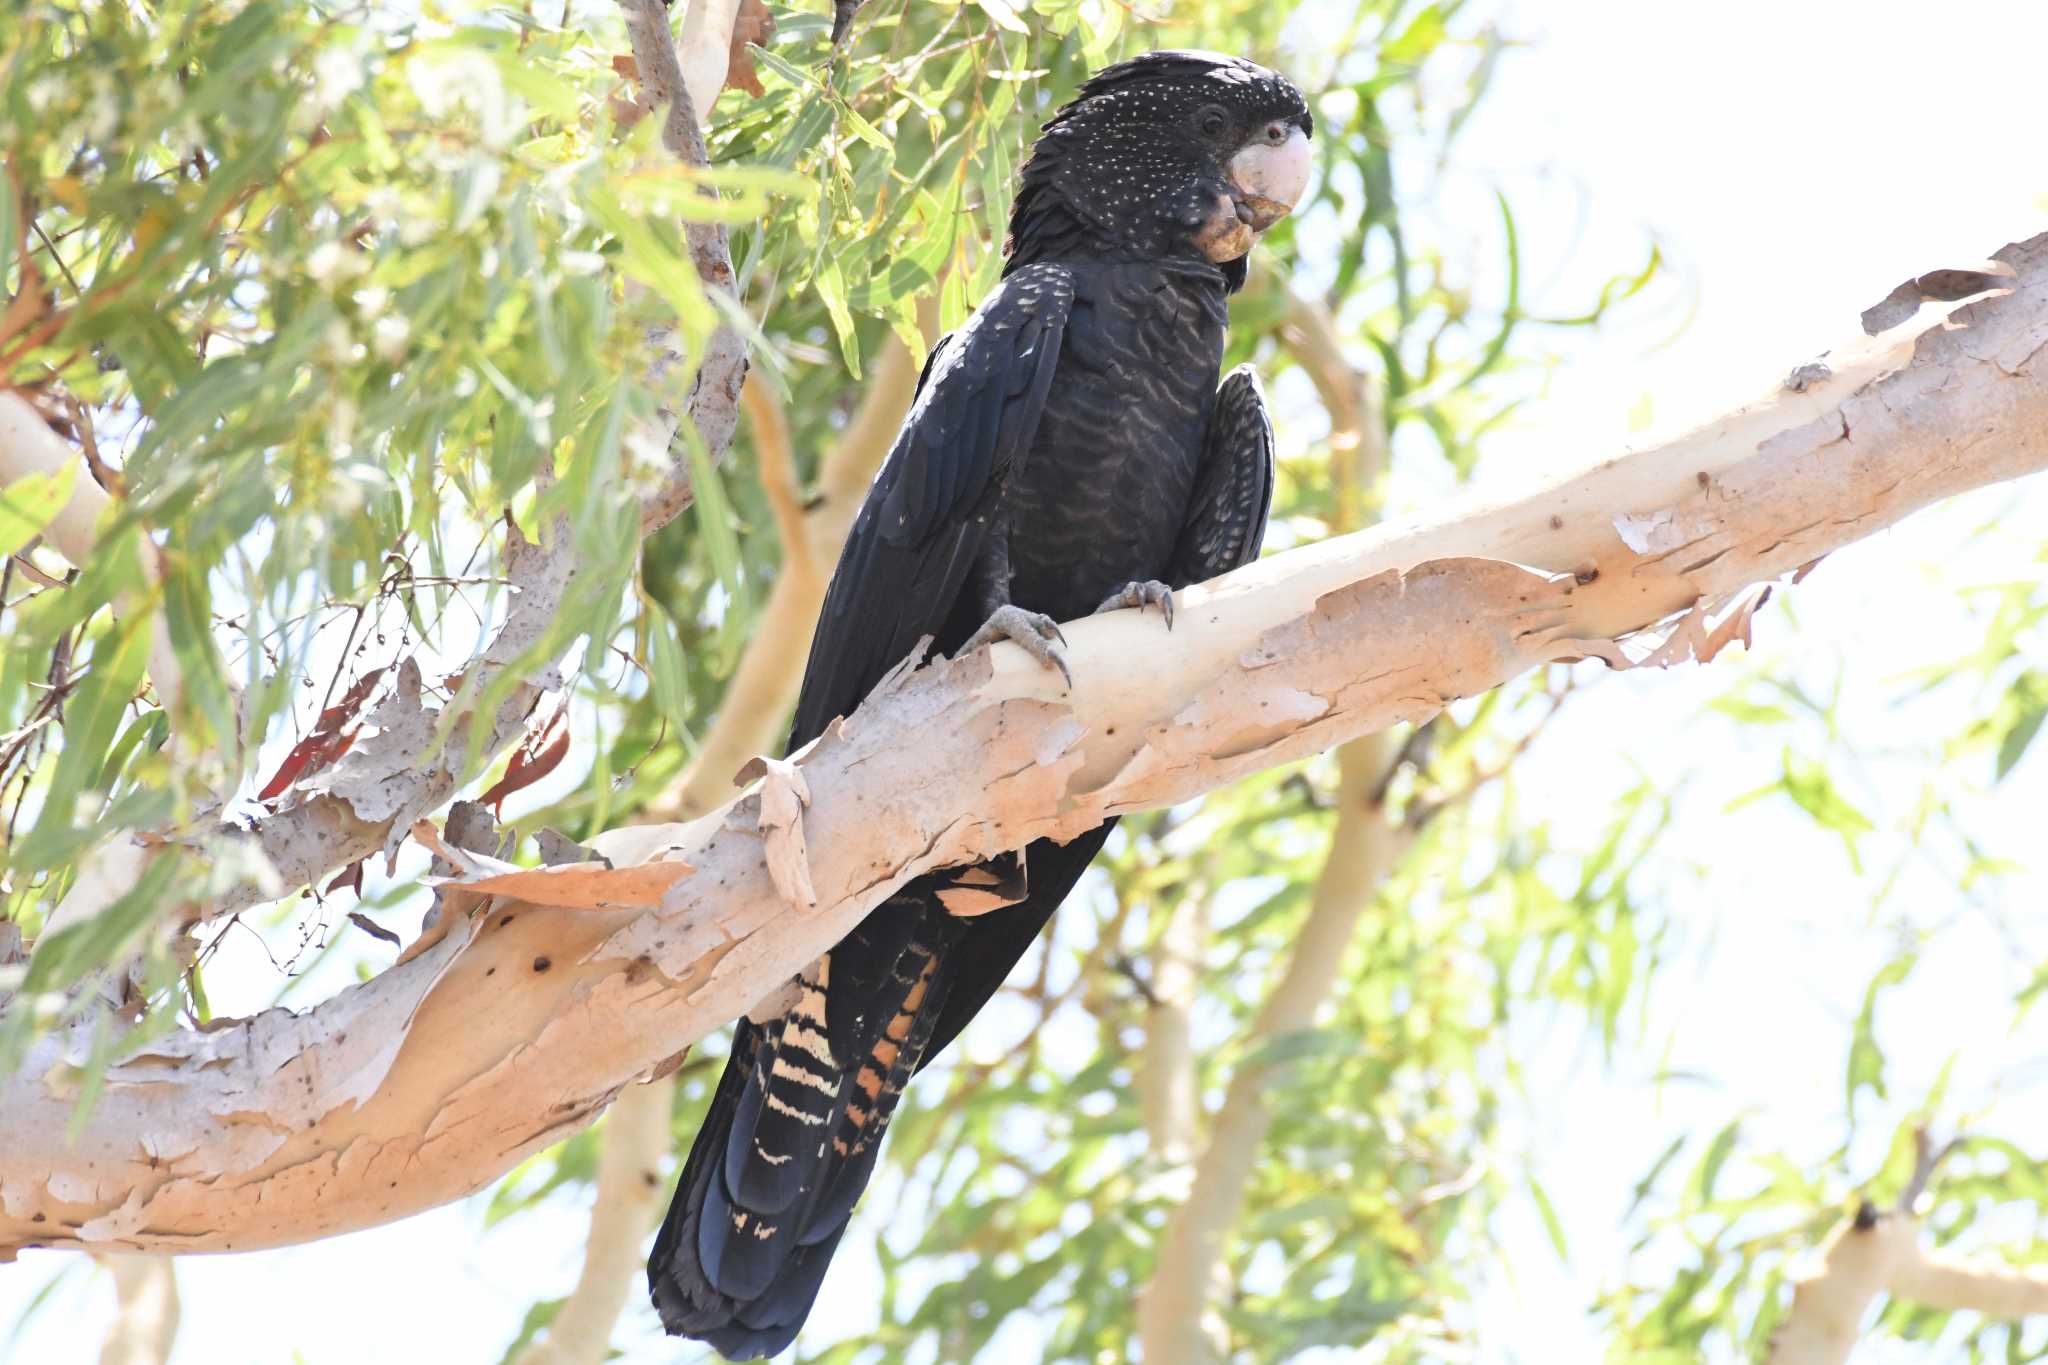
145,1324
1869,1256
524,1022
1166,1080
28,447
623,1209
1179,1313
1179,1309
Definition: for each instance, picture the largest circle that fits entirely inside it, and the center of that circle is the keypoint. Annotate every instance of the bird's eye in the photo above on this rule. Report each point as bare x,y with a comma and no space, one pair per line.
1210,121
1276,133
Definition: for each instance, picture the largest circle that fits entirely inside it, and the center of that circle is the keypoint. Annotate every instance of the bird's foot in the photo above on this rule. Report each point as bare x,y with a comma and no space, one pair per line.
1150,593
1033,632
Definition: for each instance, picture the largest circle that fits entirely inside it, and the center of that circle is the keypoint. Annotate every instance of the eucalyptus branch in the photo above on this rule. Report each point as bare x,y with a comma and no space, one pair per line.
624,1206
777,471
1878,1252
145,1323
541,993
757,701
368,801
711,404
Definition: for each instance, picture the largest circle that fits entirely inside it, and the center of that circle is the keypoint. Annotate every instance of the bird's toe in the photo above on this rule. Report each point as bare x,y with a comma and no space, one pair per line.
1033,632
1149,593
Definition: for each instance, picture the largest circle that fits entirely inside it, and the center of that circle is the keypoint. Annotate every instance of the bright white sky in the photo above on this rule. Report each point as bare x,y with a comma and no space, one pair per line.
1797,158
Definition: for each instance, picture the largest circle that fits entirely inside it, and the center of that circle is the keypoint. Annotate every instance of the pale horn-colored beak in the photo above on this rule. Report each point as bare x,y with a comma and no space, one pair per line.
1268,179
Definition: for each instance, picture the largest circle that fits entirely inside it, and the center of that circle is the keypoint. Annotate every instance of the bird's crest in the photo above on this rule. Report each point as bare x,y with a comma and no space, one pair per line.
1126,170
1174,65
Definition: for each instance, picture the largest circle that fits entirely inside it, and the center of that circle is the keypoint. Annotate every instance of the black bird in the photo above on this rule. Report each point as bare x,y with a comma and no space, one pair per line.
1069,451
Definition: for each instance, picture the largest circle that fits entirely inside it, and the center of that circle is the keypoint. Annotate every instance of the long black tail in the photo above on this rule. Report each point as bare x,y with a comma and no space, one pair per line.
785,1151
797,1121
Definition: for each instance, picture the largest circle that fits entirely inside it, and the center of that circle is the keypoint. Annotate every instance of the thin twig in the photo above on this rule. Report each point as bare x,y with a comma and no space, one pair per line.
1927,1159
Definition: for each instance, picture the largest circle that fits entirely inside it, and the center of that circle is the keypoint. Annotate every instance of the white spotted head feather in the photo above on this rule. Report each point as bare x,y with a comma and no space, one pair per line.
1137,164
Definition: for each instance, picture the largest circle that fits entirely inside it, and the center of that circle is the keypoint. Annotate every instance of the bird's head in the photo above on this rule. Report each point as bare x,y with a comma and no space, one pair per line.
1172,154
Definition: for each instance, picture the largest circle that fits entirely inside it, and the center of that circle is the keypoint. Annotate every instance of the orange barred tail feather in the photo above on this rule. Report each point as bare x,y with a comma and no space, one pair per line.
797,1121
792,1136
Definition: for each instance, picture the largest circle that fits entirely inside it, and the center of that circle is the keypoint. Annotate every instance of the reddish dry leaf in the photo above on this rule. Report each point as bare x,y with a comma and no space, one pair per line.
626,110
534,759
372,928
625,113
328,741
350,877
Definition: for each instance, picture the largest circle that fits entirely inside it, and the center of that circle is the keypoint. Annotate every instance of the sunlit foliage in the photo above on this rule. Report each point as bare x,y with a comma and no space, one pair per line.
323,289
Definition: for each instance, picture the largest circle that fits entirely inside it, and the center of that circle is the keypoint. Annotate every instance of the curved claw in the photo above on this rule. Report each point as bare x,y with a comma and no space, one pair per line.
1031,631
1150,593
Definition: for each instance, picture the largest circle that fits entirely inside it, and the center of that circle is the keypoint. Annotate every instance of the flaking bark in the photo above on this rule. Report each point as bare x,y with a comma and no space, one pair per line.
524,1022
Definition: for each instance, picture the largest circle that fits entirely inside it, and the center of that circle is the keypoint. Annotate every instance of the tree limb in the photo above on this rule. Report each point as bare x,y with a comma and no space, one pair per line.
366,803
776,468
145,1324
1879,1253
539,1004
712,403
1358,454
1166,1080
1177,1318
1873,1254
757,701
628,1196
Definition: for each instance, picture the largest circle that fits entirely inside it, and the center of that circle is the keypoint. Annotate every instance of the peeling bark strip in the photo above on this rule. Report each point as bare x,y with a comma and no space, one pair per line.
525,1020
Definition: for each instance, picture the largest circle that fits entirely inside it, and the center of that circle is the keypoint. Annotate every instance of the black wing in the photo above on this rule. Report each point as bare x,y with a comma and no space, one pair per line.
917,535
1225,525
793,1130
1234,488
